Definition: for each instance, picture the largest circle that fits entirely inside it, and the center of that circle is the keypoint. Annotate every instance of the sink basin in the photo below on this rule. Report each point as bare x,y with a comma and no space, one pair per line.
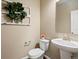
70,46
66,47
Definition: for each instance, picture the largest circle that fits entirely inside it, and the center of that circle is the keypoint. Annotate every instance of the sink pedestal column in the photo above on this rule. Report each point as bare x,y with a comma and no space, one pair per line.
65,54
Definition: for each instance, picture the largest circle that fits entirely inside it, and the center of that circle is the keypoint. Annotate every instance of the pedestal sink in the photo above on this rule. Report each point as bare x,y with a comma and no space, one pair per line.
66,47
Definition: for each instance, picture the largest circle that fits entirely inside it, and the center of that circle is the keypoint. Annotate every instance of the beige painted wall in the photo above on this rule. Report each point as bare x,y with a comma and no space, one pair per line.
47,24
47,15
14,37
63,16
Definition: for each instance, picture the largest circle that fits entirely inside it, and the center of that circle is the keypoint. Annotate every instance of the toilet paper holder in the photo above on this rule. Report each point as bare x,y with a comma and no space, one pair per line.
27,43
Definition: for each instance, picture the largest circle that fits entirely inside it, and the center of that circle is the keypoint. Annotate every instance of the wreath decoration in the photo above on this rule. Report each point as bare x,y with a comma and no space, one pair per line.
16,12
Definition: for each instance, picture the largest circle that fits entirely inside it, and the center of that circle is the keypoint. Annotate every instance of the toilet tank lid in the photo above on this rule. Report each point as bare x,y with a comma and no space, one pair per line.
44,40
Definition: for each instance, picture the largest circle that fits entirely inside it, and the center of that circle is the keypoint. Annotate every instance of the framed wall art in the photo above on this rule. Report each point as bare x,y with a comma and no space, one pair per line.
20,17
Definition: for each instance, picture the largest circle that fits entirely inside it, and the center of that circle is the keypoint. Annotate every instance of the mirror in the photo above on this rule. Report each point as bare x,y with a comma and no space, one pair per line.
65,15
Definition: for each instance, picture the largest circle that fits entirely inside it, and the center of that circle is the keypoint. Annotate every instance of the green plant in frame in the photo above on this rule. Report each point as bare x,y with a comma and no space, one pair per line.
16,12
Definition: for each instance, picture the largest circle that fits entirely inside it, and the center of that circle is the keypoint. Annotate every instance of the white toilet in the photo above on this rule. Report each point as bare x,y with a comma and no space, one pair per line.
38,53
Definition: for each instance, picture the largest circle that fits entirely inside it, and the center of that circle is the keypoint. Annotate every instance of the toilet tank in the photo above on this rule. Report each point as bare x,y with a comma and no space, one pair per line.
44,44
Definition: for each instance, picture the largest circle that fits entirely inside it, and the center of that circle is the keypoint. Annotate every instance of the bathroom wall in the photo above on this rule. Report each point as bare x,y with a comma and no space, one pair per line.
47,10
14,37
47,25
63,15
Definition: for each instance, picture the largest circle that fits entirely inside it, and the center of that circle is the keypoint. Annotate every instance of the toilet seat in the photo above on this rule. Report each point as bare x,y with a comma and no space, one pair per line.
35,53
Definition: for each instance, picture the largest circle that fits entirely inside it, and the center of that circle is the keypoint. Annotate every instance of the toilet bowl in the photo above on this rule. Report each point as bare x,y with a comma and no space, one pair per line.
38,53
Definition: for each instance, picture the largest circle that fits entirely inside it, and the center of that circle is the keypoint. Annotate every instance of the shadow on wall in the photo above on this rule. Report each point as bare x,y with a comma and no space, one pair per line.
53,52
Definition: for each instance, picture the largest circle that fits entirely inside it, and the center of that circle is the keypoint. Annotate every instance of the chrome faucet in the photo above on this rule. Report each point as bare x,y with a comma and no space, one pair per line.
66,37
